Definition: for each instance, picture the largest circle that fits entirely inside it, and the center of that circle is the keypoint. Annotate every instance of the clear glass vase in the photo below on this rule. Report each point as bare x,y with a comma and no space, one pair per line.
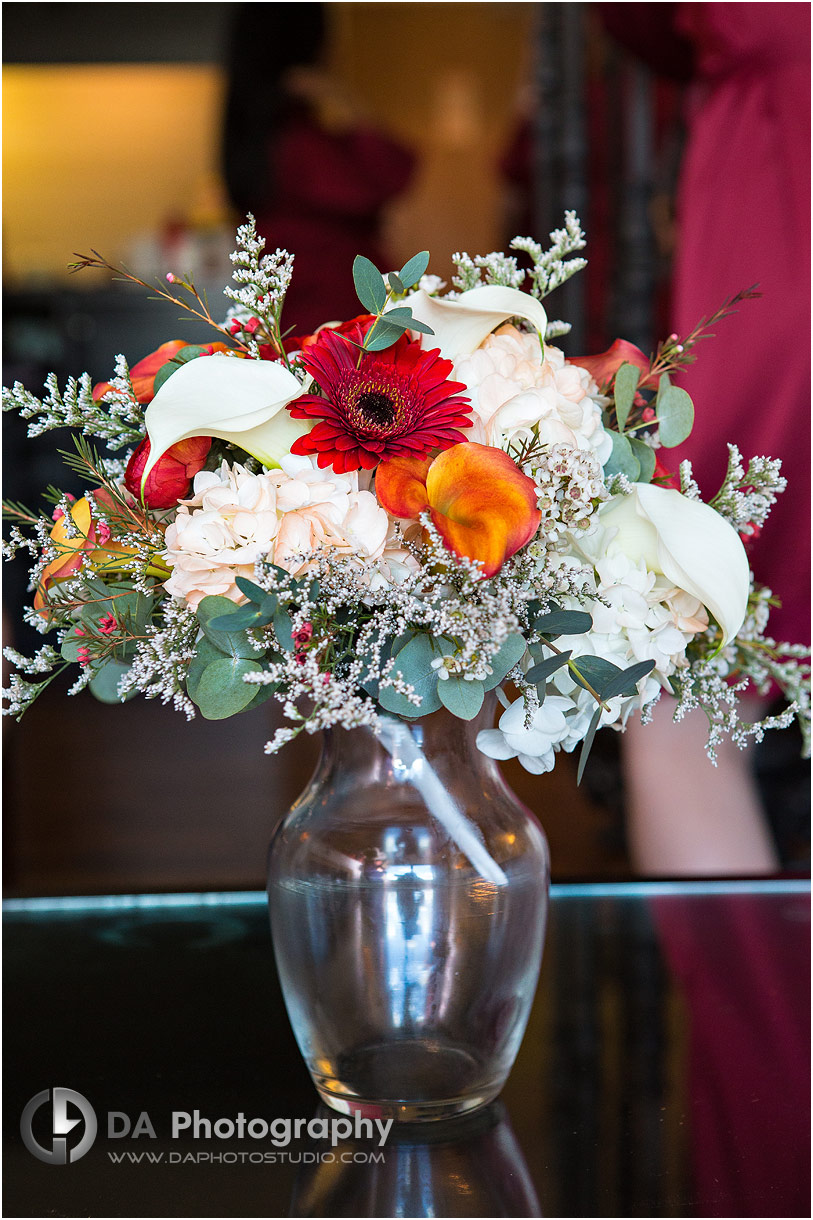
408,891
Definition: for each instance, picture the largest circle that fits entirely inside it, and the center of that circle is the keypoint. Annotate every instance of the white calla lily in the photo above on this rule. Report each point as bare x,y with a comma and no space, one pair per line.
687,542
242,401
461,325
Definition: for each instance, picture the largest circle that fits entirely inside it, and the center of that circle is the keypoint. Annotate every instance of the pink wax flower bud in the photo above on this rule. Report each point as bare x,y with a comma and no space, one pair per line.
108,624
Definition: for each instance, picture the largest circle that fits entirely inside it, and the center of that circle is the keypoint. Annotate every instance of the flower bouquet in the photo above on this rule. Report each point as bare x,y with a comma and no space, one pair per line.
388,526
403,511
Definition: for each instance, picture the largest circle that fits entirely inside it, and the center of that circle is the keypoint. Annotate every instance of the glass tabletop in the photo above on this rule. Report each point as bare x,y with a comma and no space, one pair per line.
665,1070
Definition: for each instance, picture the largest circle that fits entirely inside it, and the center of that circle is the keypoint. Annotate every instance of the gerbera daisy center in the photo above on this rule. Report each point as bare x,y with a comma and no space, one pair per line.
376,407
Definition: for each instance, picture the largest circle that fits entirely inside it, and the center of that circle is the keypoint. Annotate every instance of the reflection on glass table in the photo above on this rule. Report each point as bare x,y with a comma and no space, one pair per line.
665,1071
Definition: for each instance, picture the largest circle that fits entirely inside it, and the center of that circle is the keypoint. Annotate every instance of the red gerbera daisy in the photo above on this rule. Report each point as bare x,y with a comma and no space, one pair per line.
398,402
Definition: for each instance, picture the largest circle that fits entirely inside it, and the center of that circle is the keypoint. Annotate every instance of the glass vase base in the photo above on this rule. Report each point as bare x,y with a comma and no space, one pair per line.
409,1081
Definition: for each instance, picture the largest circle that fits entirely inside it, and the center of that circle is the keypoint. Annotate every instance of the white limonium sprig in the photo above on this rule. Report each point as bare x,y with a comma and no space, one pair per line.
117,418
746,497
262,281
550,268
553,267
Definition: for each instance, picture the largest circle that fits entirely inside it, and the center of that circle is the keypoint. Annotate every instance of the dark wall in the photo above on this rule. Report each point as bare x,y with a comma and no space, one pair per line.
113,33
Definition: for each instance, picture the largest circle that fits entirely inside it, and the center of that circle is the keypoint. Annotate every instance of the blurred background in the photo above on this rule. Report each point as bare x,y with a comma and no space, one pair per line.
145,131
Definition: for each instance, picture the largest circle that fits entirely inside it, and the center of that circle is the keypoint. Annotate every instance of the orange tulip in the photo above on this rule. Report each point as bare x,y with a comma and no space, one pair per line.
603,368
481,503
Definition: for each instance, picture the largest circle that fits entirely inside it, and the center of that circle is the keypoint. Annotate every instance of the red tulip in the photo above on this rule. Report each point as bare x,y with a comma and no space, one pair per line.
170,478
481,503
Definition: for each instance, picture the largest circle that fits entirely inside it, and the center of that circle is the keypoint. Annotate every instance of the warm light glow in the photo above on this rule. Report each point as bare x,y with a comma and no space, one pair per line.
95,155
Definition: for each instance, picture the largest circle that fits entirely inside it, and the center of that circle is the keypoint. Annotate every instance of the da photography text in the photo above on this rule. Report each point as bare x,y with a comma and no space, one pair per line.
53,1114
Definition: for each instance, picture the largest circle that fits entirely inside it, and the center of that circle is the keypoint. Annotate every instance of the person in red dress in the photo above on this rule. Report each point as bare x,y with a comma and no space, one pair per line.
743,215
299,155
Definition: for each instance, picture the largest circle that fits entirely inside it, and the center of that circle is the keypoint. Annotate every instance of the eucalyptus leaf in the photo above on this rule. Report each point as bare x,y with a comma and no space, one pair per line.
622,460
369,284
463,699
248,588
283,630
543,670
104,685
645,455
675,412
593,672
73,641
402,316
182,356
382,336
205,653
414,663
563,622
587,744
626,383
413,269
221,691
395,283
511,653
626,683
233,642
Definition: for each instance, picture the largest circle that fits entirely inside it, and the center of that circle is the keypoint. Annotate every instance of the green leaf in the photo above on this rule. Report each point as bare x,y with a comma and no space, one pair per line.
381,337
413,269
563,622
543,670
233,642
463,699
369,284
645,455
626,383
69,648
205,653
593,671
622,460
511,653
221,691
396,283
414,663
253,592
242,618
627,681
104,684
283,629
587,744
182,356
402,316
675,412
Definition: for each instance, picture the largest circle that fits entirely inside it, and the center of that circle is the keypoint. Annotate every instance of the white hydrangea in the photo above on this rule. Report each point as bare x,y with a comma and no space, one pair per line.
235,518
520,392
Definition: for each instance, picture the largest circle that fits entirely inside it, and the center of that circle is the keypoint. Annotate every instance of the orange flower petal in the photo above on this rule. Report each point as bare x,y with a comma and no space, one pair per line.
400,484
603,368
70,548
483,505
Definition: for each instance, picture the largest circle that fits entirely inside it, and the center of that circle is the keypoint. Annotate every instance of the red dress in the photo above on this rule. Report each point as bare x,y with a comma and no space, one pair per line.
744,216
329,192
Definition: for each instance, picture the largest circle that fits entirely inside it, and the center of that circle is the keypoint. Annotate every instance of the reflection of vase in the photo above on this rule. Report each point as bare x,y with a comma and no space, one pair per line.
408,891
473,1167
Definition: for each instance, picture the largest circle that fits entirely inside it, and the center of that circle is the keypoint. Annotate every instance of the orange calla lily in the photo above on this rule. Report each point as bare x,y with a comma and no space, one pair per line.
480,502
603,368
88,536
